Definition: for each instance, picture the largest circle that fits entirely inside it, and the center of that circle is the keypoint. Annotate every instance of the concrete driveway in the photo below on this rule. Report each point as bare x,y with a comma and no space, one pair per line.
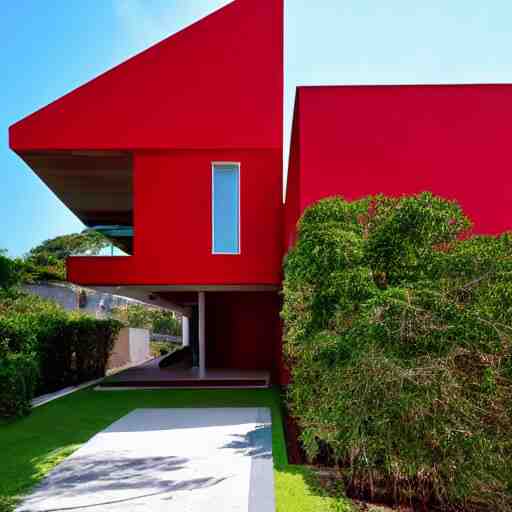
186,460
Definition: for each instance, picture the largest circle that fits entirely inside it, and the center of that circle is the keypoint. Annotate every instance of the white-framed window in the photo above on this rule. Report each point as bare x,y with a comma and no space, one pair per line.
226,208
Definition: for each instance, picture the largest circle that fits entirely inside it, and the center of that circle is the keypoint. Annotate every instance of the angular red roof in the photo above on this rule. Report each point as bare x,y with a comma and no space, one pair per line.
216,84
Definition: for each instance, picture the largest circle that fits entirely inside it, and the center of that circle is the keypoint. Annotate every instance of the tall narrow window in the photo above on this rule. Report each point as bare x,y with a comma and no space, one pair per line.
226,208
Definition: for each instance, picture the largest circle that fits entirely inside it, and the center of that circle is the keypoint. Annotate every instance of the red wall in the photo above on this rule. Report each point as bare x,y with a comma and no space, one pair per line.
215,84
243,331
173,223
173,216
451,140
292,208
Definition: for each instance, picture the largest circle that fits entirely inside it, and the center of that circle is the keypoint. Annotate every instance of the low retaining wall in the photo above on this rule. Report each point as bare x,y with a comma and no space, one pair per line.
131,346
97,304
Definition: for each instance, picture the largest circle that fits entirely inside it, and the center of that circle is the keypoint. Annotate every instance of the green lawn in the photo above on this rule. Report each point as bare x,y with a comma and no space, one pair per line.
31,446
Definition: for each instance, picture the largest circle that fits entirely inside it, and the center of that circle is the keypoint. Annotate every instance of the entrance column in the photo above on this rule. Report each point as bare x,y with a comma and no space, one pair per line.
202,342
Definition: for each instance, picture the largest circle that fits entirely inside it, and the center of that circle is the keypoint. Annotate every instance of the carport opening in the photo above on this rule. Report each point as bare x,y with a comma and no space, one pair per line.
234,338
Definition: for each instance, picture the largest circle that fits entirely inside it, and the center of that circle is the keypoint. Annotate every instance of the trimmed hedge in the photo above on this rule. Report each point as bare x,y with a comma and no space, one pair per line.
19,374
43,348
75,350
398,334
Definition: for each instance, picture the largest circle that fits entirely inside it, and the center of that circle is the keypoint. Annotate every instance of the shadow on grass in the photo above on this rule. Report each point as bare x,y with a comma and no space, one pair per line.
28,472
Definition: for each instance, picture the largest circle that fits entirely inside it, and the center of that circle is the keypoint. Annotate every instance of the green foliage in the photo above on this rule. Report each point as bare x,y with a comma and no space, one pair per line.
61,247
157,320
75,349
42,347
64,348
165,322
134,315
47,261
8,274
398,334
92,341
30,270
19,374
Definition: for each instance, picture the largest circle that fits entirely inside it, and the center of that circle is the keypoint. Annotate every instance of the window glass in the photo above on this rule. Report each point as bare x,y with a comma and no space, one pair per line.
226,206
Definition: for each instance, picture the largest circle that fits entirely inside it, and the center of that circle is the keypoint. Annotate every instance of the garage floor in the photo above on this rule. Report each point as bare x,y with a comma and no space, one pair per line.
187,460
150,375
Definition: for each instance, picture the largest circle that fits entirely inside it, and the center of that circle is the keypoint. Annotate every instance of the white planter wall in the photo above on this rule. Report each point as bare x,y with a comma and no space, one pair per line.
131,347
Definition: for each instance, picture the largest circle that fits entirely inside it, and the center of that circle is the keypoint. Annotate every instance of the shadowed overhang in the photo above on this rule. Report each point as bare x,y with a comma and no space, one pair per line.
178,297
95,185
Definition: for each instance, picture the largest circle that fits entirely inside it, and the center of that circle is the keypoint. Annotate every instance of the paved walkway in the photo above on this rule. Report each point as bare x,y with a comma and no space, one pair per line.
186,460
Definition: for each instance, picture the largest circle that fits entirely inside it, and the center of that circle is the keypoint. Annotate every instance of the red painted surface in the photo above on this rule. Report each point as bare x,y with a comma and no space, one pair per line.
451,140
292,208
216,84
173,225
243,331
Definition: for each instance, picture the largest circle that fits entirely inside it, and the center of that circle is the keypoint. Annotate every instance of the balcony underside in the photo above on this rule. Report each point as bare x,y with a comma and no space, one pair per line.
179,298
95,185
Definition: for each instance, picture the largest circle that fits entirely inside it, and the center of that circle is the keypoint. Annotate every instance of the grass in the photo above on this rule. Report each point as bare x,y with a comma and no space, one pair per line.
32,446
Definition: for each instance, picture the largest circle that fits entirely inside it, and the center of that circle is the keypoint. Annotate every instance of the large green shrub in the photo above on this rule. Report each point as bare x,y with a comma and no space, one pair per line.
73,348
92,342
65,348
398,337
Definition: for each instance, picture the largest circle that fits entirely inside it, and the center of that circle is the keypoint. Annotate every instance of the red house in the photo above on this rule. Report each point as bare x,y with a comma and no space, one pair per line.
176,154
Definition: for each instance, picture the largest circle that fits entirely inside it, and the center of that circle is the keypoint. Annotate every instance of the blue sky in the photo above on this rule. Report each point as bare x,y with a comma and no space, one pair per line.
50,47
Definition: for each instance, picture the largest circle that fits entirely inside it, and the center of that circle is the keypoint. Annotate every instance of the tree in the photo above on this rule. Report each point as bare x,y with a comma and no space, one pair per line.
47,261
59,248
157,320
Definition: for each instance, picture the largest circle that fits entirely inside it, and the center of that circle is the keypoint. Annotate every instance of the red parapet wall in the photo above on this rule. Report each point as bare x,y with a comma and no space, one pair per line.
129,270
101,270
